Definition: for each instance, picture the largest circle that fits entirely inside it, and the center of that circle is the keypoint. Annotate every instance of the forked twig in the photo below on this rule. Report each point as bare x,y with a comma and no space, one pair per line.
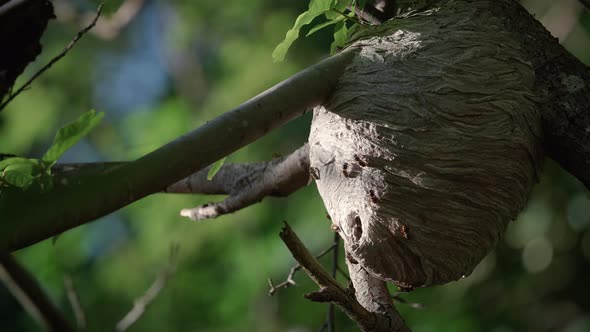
290,281
331,291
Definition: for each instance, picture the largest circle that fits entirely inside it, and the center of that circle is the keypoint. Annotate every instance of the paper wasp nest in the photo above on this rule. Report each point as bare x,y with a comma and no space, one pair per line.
429,145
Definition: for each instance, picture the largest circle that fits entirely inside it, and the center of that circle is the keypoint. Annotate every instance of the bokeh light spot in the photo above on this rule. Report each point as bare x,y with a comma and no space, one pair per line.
578,212
537,255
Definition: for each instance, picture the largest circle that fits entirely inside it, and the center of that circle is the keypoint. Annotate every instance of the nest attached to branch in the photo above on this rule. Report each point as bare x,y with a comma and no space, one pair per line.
430,144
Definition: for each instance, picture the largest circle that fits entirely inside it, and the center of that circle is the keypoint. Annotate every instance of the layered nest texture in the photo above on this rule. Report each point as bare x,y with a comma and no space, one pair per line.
430,143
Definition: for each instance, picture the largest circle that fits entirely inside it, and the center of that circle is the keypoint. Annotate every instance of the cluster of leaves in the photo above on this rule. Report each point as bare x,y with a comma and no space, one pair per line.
23,172
340,13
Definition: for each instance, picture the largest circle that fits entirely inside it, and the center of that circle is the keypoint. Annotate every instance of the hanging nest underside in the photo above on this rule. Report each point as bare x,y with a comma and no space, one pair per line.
430,144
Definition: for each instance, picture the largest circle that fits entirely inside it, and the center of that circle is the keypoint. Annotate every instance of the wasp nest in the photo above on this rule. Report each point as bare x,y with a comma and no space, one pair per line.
430,144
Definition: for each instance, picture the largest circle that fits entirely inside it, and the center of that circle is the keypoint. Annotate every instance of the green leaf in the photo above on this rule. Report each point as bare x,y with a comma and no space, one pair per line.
340,36
337,9
325,24
19,175
15,161
70,134
316,8
215,168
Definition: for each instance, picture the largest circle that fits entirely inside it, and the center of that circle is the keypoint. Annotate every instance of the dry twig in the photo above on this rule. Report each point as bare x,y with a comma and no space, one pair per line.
330,322
290,281
279,177
107,28
141,304
75,303
332,291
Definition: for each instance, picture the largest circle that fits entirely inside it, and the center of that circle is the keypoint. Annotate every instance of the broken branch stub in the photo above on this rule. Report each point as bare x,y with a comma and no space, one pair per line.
430,144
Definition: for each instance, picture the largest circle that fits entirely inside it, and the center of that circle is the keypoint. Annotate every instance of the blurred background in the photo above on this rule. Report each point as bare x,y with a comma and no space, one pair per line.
160,68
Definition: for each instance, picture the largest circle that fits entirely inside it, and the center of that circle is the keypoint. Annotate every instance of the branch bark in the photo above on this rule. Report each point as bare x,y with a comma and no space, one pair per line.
563,85
247,184
29,217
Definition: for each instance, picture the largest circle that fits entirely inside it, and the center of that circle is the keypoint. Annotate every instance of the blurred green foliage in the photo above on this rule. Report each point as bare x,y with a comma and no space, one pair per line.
209,56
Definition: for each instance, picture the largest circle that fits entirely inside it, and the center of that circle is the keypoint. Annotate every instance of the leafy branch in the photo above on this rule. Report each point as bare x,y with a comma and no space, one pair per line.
23,172
340,13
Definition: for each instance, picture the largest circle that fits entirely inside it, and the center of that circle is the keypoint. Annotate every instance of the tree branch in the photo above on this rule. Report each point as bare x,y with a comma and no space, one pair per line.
291,172
290,281
331,318
34,300
563,88
51,62
368,14
22,23
10,5
107,28
75,303
379,316
142,303
247,184
71,204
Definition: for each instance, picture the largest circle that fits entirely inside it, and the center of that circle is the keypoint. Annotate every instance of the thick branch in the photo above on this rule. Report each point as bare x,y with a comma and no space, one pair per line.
34,300
11,5
563,85
370,319
246,184
290,172
29,217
